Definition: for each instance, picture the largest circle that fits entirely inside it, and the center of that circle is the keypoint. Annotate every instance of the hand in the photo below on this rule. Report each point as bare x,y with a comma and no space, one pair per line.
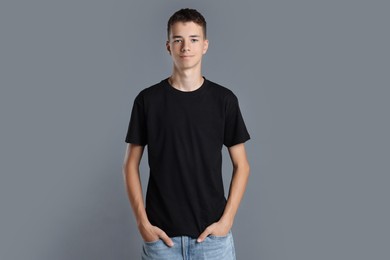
217,229
151,233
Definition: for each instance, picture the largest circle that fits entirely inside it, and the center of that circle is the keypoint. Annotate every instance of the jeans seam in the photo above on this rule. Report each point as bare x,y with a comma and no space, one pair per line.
232,247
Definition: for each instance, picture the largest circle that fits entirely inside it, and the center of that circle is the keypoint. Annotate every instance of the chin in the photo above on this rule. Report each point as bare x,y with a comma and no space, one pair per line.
186,65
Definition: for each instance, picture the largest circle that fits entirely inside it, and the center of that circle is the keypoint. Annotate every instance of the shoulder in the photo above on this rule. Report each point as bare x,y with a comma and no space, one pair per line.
154,89
151,91
223,92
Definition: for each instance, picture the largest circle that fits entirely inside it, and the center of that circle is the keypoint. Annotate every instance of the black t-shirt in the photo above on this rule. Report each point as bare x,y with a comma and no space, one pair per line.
184,133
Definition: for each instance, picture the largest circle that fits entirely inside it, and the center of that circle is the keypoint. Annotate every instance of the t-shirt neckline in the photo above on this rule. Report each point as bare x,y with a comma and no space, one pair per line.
186,93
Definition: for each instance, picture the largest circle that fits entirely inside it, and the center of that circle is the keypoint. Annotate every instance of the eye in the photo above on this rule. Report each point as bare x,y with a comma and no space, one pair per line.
194,40
177,41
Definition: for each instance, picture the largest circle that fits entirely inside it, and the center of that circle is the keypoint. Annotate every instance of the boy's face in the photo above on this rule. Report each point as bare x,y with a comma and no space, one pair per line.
186,45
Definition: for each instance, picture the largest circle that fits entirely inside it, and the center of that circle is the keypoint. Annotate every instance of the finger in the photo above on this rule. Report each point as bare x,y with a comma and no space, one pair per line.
164,237
203,236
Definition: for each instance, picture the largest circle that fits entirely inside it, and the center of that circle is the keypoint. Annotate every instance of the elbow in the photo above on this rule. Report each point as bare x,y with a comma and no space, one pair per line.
125,169
247,168
129,169
243,167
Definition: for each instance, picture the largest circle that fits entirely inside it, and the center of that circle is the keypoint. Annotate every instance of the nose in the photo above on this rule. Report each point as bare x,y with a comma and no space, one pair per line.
185,47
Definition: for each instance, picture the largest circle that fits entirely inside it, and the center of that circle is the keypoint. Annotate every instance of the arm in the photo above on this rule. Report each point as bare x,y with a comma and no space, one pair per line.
240,176
134,190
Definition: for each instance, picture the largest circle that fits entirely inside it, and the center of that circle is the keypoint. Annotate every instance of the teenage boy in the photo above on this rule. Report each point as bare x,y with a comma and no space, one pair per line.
185,120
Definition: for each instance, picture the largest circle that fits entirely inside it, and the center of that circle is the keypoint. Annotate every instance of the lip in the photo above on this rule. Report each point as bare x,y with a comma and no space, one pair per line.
186,56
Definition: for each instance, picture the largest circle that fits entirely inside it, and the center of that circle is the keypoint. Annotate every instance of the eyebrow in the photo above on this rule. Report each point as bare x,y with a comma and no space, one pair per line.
191,36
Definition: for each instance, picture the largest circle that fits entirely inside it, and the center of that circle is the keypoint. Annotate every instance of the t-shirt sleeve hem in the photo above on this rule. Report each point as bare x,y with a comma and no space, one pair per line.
238,141
129,141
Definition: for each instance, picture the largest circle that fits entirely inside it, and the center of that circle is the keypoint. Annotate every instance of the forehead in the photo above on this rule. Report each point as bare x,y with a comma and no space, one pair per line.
185,29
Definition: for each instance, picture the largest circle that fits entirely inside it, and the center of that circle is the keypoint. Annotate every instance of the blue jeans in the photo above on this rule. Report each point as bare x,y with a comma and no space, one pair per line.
186,248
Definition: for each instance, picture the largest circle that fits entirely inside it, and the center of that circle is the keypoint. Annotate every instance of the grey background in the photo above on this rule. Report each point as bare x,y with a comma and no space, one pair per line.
312,78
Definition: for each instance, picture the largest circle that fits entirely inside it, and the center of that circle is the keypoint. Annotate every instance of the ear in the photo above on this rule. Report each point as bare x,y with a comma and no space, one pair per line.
168,47
205,46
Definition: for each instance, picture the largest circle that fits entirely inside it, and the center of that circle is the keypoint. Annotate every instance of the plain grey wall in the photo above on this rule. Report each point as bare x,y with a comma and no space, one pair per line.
313,82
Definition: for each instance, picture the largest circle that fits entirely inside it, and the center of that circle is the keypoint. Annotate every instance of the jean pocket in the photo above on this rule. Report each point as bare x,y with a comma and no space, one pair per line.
220,237
152,243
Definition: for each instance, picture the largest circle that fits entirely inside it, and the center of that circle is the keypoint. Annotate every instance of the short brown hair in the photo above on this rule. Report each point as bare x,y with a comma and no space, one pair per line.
187,15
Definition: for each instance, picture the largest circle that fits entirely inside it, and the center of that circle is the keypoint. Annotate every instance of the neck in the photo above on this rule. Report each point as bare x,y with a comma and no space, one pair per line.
187,80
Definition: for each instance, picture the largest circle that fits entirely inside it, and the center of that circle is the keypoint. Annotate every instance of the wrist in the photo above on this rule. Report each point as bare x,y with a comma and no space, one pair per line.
143,222
226,221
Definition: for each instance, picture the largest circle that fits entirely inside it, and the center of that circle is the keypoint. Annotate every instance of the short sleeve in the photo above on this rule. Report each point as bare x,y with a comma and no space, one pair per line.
235,131
137,132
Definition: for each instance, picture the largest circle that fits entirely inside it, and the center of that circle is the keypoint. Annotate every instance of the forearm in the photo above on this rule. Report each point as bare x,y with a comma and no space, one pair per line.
236,192
134,191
